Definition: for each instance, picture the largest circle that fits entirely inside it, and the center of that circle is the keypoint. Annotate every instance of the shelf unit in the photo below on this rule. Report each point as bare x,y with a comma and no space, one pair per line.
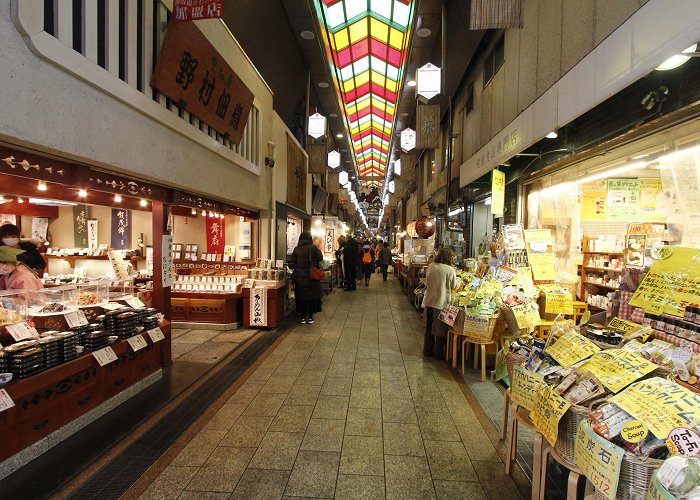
606,270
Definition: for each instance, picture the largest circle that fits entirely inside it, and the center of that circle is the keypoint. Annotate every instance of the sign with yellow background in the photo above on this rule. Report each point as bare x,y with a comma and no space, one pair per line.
523,387
572,348
527,315
498,192
618,368
594,200
540,254
547,412
599,460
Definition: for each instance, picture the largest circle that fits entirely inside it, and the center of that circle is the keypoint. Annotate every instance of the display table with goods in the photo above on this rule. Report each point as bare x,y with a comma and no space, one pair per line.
53,382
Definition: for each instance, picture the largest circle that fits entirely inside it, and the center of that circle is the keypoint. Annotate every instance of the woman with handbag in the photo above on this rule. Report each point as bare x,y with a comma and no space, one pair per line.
307,276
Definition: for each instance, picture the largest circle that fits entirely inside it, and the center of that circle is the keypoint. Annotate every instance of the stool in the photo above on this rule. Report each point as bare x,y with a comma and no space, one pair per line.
544,327
579,309
454,343
546,451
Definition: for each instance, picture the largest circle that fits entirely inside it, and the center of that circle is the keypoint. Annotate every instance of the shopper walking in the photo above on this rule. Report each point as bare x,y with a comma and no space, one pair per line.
339,271
307,291
384,260
440,279
351,258
368,264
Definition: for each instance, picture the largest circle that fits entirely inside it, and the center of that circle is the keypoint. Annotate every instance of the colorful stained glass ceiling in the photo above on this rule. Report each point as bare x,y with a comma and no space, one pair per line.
368,40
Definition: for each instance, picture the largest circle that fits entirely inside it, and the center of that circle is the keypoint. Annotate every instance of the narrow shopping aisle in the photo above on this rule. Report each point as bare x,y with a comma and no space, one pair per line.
346,408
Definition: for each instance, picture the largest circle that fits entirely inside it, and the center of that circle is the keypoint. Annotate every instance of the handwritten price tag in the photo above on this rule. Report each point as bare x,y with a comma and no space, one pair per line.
105,356
137,343
156,334
5,401
684,442
599,460
75,318
22,331
135,302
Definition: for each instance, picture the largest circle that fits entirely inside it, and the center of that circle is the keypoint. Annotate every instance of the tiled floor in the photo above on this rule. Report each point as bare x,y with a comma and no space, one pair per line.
345,408
206,346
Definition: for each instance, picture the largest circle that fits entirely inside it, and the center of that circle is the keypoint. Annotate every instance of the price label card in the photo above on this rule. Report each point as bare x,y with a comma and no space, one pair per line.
22,331
75,318
5,401
684,442
135,302
572,348
524,386
137,343
548,409
111,306
156,334
599,460
279,264
105,356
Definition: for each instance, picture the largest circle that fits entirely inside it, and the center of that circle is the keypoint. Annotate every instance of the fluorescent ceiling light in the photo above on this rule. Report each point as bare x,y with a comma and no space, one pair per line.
50,203
677,60
552,135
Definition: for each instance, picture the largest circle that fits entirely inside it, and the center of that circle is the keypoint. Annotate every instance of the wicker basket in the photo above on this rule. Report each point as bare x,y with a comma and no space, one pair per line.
513,359
635,477
568,428
479,329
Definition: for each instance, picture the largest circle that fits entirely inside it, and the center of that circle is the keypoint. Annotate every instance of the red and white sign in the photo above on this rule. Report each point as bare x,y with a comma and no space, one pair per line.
193,10
216,235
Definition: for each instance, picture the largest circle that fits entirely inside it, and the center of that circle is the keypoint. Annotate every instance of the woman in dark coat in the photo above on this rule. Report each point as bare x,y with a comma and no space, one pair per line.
367,267
307,292
351,257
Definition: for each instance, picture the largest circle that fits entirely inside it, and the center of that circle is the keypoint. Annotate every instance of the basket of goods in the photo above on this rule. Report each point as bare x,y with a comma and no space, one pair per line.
478,323
678,477
519,351
603,337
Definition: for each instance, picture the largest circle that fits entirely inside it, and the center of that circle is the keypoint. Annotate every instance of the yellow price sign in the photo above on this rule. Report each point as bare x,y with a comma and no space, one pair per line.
634,431
523,387
599,460
618,368
548,409
572,348
622,325
488,288
527,315
558,303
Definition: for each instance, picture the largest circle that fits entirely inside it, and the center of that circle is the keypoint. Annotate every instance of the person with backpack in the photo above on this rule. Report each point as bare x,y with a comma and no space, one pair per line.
368,264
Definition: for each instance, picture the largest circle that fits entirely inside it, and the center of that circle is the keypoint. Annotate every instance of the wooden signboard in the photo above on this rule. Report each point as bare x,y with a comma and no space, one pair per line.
428,126
317,158
296,175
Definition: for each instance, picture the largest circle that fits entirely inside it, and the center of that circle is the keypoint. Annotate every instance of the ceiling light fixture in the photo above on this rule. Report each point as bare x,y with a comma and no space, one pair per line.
194,212
82,193
20,200
678,59
307,35
323,85
552,135
143,203
411,83
339,136
204,213
41,186
117,198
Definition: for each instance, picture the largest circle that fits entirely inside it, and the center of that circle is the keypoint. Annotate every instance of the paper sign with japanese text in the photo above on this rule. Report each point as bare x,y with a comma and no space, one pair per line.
194,10
622,325
498,192
75,318
540,254
547,412
6,401
557,300
258,307
488,288
505,274
105,356
523,387
22,331
156,334
572,348
618,368
527,315
449,313
599,460
137,342
662,404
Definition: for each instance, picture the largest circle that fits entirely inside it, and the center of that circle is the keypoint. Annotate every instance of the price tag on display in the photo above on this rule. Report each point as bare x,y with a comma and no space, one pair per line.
22,331
111,306
279,264
75,318
137,343
105,356
683,442
156,334
5,401
135,302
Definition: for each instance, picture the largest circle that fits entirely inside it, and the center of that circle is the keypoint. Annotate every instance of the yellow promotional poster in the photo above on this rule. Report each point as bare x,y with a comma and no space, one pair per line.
548,409
523,278
572,348
540,254
650,191
557,300
618,368
622,325
594,200
488,288
661,403
671,284
599,460
623,199
523,387
498,192
527,315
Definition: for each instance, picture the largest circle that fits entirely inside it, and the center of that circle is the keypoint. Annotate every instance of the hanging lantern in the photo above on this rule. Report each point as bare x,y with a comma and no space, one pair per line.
343,178
397,164
408,139
428,80
317,125
392,186
425,227
333,159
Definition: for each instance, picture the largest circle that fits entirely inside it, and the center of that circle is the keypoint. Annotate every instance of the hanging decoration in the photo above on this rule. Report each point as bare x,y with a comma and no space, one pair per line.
334,159
397,168
428,81
317,125
408,139
425,227
317,158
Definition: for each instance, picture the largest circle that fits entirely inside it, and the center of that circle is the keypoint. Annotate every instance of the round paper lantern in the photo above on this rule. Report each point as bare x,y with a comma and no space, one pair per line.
425,227
411,229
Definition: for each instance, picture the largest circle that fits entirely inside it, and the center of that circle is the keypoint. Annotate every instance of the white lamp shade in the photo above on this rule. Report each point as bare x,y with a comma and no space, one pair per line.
397,165
392,186
334,159
317,125
428,80
408,140
343,177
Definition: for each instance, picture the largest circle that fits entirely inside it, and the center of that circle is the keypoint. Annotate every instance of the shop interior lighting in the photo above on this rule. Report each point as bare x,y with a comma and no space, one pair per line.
204,213
82,193
410,83
41,186
194,212
487,201
143,203
20,200
368,43
49,203
678,60
456,211
552,135
117,198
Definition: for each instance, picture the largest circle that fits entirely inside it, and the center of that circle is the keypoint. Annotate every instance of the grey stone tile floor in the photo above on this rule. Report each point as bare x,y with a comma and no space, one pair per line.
344,408
206,346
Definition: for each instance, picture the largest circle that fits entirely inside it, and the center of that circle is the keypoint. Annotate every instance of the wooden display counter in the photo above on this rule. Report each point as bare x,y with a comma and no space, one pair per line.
55,398
198,307
275,305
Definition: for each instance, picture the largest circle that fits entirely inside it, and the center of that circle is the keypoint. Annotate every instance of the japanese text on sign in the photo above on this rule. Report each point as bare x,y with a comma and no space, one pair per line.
523,388
137,342
75,318
662,404
684,442
548,410
488,288
192,10
22,331
527,315
156,334
617,368
599,460
105,356
258,307
572,348
5,401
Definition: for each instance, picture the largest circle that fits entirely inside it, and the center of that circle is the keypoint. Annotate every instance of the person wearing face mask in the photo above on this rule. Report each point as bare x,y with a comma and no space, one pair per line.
15,275
9,236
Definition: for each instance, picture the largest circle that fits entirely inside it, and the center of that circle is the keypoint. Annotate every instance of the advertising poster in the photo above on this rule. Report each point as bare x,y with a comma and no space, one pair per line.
623,199
594,201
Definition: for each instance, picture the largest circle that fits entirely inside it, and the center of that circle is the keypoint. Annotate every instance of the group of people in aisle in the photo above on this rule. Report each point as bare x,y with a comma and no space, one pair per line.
351,257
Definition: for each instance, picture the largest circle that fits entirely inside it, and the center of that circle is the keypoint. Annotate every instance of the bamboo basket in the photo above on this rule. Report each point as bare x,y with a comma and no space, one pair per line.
479,331
568,428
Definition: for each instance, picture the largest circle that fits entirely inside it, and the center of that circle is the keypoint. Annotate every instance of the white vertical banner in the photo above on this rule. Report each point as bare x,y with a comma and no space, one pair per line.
258,307
40,226
167,260
149,259
92,226
330,239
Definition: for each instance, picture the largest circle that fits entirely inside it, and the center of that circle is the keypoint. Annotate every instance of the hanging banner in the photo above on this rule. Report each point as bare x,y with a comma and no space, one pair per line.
548,409
296,175
498,192
92,230
81,214
599,460
40,226
193,10
258,307
329,242
594,200
193,74
495,14
618,368
121,229
216,235
523,387
317,158
332,183
572,348
428,126
623,200
167,261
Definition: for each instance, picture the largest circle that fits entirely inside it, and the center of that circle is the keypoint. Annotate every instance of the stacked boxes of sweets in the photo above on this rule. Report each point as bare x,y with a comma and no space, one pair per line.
69,345
80,333
53,348
265,272
125,324
603,334
26,358
96,340
4,361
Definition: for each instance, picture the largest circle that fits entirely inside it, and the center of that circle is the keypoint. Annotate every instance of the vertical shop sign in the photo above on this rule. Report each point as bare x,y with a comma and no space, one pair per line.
330,241
296,175
192,10
428,125
317,158
92,226
216,235
167,260
258,307
121,229
498,192
623,199
193,74
81,214
40,227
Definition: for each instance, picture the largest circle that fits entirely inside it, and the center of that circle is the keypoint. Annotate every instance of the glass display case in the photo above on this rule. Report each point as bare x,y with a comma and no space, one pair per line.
54,300
92,293
211,284
13,307
120,289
